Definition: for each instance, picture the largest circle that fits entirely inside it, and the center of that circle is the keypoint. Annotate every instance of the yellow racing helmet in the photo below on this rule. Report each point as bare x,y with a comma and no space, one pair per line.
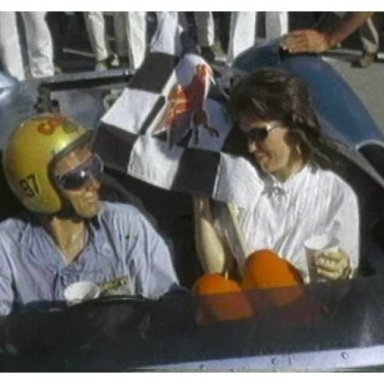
30,153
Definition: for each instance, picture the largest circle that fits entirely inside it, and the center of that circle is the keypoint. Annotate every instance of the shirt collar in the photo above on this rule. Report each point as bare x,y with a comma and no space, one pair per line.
41,233
273,185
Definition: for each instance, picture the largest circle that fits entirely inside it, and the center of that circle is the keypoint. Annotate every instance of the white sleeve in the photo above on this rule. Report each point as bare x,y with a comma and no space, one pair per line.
6,291
237,181
345,224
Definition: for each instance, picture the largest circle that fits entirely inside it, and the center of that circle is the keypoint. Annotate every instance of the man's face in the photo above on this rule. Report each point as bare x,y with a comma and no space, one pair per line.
271,145
78,182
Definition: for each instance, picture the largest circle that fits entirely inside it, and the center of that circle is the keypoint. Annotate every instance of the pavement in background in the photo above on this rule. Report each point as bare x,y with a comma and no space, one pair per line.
368,83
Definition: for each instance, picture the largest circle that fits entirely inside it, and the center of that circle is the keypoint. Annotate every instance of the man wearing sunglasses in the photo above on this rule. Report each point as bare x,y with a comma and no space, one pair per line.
299,195
68,234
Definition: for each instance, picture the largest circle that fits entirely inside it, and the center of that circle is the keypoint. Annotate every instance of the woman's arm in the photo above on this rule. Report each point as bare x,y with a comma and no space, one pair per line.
211,249
344,263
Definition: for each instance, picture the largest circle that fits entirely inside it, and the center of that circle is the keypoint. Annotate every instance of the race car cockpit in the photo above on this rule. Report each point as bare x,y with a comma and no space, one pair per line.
315,327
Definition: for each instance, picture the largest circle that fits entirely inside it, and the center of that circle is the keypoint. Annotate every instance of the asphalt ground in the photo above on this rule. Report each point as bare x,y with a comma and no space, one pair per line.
368,83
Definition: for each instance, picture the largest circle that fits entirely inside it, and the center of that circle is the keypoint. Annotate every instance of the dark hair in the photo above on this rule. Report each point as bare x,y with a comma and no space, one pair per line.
273,94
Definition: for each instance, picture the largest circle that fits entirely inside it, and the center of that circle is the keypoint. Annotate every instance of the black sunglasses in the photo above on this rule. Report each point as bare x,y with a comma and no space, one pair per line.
261,133
78,177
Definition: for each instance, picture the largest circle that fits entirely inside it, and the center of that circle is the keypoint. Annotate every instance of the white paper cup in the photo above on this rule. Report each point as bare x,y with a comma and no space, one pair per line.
81,291
314,247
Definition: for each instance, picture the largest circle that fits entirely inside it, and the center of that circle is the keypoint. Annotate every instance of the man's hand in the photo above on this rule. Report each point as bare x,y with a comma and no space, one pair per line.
313,41
333,265
306,41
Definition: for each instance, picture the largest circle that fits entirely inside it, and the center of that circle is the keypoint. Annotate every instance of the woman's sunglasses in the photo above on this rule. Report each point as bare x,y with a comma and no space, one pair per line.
78,177
261,133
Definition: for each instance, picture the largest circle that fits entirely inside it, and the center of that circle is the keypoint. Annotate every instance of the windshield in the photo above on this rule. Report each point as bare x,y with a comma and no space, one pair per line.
318,327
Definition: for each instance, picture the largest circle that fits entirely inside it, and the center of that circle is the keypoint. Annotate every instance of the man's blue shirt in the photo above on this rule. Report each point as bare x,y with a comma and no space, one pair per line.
123,248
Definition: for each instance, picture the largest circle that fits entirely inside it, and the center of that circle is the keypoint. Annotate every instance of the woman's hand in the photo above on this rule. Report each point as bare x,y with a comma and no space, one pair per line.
333,265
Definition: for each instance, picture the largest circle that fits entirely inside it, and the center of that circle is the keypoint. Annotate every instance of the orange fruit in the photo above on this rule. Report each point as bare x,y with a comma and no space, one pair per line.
220,299
214,283
265,269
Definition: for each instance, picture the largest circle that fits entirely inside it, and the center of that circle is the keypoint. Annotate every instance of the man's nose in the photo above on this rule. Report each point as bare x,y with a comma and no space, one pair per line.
252,145
93,183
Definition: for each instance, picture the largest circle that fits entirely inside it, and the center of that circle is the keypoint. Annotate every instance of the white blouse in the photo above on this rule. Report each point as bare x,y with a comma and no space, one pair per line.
282,215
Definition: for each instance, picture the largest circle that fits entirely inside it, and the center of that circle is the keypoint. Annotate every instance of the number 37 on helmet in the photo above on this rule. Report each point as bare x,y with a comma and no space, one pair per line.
31,153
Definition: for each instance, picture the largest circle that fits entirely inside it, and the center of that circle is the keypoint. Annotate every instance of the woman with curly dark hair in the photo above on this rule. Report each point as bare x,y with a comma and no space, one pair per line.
299,196
272,94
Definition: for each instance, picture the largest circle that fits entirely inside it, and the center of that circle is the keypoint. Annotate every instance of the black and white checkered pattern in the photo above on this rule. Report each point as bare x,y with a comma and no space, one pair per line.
129,138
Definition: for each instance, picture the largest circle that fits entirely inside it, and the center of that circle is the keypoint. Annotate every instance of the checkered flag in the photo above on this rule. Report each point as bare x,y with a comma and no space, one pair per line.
166,130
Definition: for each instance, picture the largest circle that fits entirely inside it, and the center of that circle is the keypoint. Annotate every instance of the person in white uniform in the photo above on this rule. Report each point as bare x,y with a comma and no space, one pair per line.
243,27
130,30
98,37
39,45
205,30
298,193
369,34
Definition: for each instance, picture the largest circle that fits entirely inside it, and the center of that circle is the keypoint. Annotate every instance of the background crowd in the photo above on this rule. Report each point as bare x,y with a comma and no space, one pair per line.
40,44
